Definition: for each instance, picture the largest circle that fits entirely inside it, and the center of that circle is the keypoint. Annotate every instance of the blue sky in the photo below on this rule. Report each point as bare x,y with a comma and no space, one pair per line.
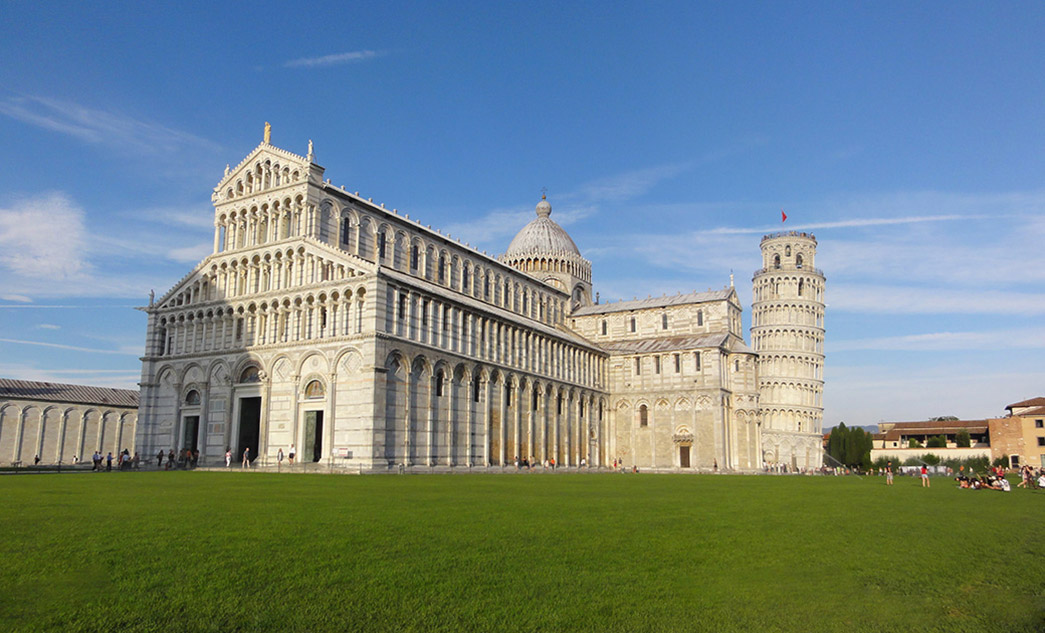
907,136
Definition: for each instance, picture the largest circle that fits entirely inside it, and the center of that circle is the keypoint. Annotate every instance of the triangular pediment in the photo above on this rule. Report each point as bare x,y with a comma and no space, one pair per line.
183,292
277,163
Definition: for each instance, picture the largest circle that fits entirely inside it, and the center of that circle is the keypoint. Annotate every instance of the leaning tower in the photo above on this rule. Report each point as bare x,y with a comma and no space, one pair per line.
787,332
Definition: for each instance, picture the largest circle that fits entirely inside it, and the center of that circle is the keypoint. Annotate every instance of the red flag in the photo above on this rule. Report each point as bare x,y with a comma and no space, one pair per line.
783,216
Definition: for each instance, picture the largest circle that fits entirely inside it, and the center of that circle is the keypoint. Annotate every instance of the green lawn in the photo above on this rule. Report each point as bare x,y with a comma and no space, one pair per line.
173,551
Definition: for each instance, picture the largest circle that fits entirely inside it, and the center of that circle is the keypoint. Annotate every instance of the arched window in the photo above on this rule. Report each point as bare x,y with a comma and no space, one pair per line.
250,374
800,286
344,230
464,279
415,257
192,398
632,324
700,317
314,390
776,261
736,365
787,251
643,415
604,327
664,321
798,260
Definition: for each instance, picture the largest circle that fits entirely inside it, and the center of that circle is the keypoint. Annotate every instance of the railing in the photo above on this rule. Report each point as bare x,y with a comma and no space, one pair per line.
788,234
804,269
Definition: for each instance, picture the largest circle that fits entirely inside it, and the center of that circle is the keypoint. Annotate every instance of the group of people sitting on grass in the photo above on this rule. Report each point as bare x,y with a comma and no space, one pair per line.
185,459
995,479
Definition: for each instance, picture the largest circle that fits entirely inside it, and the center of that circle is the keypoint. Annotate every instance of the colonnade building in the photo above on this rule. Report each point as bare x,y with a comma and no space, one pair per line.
325,323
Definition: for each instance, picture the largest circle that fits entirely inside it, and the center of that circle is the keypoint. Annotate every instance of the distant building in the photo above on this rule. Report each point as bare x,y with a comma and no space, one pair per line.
893,440
62,423
1020,436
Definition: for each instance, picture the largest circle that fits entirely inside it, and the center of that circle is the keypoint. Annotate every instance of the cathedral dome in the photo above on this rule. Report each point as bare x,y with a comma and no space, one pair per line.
541,236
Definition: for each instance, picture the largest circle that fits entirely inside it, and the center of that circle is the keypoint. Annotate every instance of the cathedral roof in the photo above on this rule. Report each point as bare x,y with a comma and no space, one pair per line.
655,302
77,394
542,236
666,344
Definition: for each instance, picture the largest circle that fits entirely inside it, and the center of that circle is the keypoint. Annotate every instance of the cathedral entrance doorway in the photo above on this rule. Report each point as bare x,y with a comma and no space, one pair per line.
313,445
249,427
684,456
191,435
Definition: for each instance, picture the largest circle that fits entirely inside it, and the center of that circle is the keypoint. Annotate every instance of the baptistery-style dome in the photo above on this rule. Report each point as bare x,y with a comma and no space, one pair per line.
541,236
544,250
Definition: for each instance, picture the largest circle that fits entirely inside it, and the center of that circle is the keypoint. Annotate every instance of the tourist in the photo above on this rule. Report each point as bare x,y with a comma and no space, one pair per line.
159,458
96,459
170,459
246,457
584,462
136,461
195,457
108,462
925,476
36,461
279,457
290,455
228,457
889,473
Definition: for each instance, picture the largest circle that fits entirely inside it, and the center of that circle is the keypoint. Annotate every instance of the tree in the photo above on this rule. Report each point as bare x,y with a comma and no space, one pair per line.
836,443
962,439
944,418
914,443
937,441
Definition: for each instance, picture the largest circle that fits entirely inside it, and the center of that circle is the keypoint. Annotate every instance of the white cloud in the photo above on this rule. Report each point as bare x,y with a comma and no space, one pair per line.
72,348
18,298
628,184
190,254
100,126
48,326
332,60
881,299
569,208
43,238
1027,338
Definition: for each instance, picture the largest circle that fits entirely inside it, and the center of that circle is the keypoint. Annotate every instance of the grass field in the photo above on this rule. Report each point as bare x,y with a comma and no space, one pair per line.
172,551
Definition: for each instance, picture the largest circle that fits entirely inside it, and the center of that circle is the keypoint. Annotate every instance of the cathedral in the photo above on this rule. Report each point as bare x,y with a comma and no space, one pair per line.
327,325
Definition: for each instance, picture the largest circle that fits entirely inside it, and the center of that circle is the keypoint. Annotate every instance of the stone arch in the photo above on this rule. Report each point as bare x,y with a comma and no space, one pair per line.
396,369
314,362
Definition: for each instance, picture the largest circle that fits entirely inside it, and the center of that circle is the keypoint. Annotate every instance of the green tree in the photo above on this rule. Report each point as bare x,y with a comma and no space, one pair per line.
963,439
836,443
937,441
914,443
931,459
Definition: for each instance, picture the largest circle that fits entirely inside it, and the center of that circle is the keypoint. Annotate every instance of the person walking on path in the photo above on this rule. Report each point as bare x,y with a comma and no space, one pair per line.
925,477
246,457
108,462
228,457
279,457
889,473
159,458
291,455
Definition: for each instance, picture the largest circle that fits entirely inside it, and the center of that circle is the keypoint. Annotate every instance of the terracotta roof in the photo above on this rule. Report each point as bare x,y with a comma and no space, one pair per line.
1034,411
58,392
895,430
654,302
1033,402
